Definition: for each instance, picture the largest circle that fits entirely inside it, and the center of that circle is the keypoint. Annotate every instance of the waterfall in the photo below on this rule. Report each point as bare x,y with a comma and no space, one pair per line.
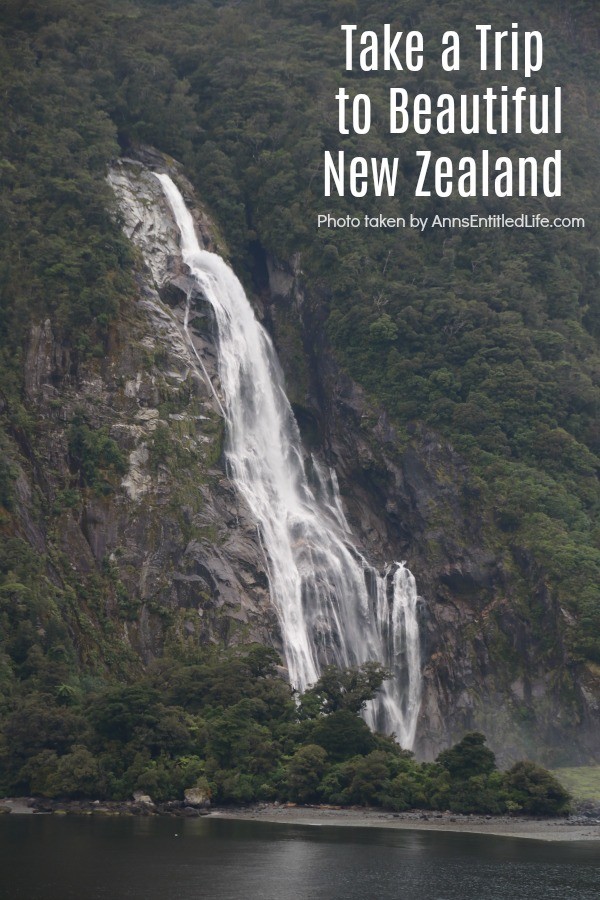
331,604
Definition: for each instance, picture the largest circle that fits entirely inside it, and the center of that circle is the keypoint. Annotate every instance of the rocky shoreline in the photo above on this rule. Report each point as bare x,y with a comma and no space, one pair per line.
144,806
582,826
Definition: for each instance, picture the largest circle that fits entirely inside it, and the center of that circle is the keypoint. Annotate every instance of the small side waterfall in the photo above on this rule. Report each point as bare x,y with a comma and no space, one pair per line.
332,605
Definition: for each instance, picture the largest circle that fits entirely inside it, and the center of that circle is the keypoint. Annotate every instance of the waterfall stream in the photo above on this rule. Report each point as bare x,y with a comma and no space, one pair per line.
332,605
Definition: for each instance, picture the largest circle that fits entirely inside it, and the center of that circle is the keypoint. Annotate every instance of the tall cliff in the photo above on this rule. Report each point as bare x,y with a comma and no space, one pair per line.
494,635
141,544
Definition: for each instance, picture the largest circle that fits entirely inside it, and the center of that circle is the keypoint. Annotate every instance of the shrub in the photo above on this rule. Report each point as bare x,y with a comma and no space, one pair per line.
535,790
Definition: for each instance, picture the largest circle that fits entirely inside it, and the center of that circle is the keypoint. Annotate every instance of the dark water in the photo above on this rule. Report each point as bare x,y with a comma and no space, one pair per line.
44,858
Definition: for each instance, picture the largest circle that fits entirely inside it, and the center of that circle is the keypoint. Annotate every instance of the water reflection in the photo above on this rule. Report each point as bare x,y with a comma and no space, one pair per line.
44,858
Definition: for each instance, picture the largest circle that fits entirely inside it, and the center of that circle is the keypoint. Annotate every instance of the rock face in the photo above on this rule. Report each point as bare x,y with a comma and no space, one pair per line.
171,534
492,635
175,550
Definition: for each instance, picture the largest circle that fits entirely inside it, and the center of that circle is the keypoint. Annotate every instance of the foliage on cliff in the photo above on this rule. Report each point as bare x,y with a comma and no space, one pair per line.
490,338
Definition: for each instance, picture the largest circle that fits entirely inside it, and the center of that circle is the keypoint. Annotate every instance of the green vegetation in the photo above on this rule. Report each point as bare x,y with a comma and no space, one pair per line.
583,782
227,723
490,338
94,455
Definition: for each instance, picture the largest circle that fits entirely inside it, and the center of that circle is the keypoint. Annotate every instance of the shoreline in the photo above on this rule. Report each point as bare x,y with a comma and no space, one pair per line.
573,828
541,829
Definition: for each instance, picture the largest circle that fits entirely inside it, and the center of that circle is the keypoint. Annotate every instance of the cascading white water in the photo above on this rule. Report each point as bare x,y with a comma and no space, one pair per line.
332,605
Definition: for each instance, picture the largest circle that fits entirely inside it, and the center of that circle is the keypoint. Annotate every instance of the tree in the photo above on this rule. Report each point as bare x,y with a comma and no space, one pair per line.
371,782
469,757
343,735
303,773
535,790
343,689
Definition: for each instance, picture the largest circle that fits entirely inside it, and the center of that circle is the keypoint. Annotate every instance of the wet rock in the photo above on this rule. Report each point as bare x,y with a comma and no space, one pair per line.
197,797
410,496
183,548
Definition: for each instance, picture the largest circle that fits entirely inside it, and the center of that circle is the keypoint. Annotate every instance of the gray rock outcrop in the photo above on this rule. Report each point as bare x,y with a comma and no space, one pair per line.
176,552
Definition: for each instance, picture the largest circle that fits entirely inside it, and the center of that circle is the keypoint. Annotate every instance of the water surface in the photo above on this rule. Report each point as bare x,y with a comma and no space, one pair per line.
84,858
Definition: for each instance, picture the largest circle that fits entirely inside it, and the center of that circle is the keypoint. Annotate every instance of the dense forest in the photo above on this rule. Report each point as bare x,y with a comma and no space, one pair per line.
487,337
228,725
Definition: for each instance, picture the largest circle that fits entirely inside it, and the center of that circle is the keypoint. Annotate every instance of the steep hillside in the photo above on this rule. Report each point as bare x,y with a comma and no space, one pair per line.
450,379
